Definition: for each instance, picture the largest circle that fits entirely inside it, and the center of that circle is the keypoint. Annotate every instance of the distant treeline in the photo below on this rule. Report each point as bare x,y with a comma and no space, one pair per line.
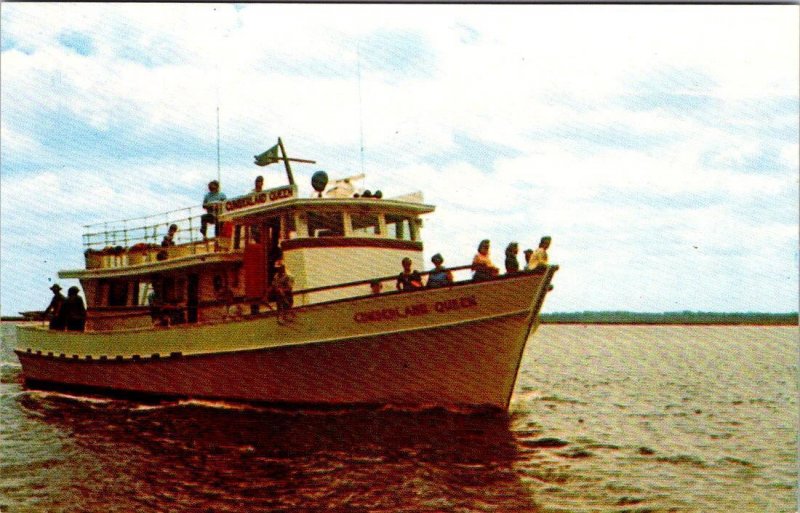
671,318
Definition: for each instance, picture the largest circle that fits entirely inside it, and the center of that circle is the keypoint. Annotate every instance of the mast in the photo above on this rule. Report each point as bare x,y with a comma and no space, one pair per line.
286,162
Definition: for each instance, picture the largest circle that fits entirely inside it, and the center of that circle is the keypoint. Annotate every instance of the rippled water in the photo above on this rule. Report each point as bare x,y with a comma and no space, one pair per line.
604,418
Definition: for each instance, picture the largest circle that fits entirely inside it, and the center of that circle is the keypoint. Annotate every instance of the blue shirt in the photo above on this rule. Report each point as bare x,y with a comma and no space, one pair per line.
212,197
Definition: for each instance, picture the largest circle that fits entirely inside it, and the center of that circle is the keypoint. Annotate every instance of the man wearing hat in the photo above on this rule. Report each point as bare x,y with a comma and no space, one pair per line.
53,310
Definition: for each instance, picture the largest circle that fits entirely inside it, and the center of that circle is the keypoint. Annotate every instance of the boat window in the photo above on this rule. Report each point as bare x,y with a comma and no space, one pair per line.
399,227
254,234
325,224
365,225
289,228
143,293
118,293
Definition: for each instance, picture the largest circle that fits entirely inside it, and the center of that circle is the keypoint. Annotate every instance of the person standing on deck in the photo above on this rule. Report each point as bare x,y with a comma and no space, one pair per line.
282,284
169,238
408,279
439,276
528,252
259,184
54,308
73,312
211,202
482,265
512,264
539,257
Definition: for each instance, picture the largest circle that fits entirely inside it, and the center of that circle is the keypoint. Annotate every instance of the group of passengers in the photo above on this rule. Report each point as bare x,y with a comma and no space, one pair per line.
482,267
66,313
534,260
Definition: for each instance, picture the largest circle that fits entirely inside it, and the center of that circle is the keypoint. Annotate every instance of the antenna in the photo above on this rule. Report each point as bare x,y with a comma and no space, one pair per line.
360,108
219,173
216,68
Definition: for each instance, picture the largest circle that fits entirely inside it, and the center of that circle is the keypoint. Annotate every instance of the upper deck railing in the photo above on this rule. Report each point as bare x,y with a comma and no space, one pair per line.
124,233
150,230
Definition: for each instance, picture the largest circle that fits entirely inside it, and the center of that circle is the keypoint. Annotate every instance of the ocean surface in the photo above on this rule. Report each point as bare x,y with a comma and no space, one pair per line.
603,419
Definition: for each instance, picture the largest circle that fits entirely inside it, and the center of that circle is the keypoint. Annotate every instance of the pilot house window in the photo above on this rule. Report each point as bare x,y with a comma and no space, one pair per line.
366,225
401,227
325,224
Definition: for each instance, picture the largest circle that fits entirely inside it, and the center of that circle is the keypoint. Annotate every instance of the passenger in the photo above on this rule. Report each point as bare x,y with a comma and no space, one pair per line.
375,286
539,257
155,303
282,284
439,276
482,265
161,314
211,202
528,252
259,185
408,279
169,238
224,294
73,312
53,310
512,265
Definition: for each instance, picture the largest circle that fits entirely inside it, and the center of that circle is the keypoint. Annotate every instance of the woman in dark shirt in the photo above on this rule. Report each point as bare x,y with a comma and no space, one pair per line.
408,279
73,312
512,265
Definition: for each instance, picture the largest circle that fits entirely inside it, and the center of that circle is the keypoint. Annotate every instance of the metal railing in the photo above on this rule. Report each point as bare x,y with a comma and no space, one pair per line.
151,229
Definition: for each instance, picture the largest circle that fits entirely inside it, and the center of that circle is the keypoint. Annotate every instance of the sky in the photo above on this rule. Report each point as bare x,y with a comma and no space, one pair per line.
656,144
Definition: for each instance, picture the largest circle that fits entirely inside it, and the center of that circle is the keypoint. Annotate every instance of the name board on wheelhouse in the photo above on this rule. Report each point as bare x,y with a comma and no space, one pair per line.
260,198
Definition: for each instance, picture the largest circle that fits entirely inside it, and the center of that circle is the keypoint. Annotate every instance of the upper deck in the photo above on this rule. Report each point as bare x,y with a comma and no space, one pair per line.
131,247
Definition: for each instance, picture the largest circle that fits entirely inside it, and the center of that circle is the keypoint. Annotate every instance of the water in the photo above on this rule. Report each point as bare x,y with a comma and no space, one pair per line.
604,419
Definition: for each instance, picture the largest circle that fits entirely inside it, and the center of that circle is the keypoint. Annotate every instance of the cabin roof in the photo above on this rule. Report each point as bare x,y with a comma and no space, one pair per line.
389,206
204,259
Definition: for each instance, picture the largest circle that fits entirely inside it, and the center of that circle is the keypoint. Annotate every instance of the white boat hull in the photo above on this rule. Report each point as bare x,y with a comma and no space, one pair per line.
459,346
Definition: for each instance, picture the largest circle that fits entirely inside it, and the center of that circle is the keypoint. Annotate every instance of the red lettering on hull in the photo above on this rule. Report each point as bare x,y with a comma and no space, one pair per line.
393,314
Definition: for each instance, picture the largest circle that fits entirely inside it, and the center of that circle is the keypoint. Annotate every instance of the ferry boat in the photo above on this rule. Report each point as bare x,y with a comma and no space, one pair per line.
199,318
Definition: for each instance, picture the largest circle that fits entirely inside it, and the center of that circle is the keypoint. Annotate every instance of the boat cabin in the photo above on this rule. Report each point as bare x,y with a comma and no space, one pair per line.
339,236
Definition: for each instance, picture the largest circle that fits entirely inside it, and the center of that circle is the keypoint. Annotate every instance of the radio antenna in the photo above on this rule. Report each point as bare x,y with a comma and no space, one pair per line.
219,171
360,108
216,68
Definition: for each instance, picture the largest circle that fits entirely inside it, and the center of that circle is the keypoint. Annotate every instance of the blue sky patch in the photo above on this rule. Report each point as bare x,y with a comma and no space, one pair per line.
479,154
680,92
588,138
405,53
79,43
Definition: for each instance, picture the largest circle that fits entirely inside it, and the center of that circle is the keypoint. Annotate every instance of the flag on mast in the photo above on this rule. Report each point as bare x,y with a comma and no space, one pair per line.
268,157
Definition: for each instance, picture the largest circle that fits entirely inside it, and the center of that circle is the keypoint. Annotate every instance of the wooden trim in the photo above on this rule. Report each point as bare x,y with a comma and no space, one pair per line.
160,266
350,242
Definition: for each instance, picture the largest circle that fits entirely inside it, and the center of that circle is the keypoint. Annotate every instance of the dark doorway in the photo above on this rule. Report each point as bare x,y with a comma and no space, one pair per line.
192,297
